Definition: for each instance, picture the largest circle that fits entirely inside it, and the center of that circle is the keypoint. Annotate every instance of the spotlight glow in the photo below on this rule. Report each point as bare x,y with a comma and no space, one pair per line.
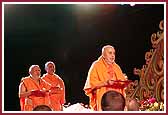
85,6
132,4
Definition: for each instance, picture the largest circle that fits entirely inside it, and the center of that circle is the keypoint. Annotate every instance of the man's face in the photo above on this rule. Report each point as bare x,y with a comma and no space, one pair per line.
109,55
50,68
36,72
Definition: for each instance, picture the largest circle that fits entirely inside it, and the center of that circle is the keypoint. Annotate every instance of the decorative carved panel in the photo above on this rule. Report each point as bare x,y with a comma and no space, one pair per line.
151,74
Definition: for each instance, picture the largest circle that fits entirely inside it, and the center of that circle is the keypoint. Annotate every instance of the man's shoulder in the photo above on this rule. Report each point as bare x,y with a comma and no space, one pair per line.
58,77
25,78
97,63
43,76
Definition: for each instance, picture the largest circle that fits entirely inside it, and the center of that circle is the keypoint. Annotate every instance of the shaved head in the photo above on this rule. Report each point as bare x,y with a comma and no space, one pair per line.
112,101
108,53
105,47
32,67
50,67
35,71
132,105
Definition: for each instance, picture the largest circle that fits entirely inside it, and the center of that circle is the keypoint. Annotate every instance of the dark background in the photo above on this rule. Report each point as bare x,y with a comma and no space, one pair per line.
72,37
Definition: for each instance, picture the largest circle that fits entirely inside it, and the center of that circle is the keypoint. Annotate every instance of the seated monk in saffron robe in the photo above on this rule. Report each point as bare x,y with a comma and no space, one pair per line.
101,76
32,90
57,94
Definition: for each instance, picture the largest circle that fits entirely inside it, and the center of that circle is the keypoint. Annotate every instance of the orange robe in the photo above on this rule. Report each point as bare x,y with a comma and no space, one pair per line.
31,85
56,99
100,72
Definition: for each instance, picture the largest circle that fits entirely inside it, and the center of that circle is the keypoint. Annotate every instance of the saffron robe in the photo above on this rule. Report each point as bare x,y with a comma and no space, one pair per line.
57,99
100,72
31,85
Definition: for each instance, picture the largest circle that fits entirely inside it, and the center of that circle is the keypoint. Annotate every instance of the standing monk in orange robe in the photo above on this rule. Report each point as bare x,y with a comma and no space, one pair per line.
57,97
103,73
32,90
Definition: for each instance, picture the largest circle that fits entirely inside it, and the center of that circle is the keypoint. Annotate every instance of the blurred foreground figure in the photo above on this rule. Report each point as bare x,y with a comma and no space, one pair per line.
132,105
42,108
113,101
